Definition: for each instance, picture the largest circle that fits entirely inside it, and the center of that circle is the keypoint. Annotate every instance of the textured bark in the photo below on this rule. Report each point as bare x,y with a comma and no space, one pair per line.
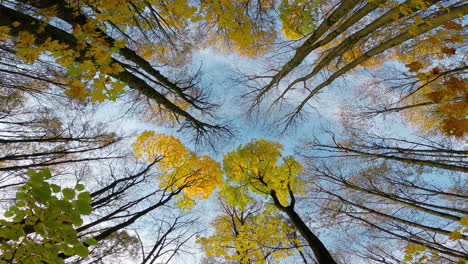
320,251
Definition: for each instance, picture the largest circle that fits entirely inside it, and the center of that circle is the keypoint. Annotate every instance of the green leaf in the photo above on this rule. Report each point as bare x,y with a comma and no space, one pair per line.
55,188
69,234
7,255
90,241
41,193
83,207
46,173
20,204
69,251
79,187
81,250
20,196
30,173
75,218
63,205
84,196
9,214
36,178
68,193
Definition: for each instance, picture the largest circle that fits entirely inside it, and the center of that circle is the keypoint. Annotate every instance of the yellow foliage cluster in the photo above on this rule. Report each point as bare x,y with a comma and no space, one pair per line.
180,168
88,66
256,166
248,240
236,28
298,17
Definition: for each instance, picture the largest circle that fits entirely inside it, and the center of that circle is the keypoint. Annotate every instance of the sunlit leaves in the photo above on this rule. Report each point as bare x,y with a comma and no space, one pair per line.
298,17
249,235
260,167
181,169
447,114
247,27
43,222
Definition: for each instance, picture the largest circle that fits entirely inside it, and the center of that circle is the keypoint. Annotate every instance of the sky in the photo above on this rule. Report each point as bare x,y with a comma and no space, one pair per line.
224,87
217,69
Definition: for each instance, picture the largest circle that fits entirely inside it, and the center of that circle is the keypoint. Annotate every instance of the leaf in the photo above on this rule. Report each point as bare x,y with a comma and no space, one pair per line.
46,174
69,251
79,187
98,96
69,234
447,50
83,207
76,90
455,127
21,196
414,66
455,84
84,196
9,214
464,221
436,96
456,235
55,188
68,193
41,193
90,241
452,25
81,250
75,218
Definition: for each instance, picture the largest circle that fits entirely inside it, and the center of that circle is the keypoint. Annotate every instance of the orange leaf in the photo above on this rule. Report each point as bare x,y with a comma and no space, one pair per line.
414,66
454,84
435,97
452,25
447,50
455,127
435,71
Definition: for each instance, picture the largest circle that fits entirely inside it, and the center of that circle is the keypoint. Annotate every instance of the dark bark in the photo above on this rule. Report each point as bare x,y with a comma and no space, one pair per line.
320,251
35,27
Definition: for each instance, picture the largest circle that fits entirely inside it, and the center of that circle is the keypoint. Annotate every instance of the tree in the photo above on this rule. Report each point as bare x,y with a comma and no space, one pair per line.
248,234
116,207
385,184
357,34
64,61
254,167
105,50
181,168
86,54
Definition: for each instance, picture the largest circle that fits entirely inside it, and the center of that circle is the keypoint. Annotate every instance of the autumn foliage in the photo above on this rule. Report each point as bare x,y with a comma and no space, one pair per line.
382,163
181,168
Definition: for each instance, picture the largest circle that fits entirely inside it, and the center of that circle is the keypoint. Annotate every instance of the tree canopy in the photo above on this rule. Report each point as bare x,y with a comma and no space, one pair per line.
235,131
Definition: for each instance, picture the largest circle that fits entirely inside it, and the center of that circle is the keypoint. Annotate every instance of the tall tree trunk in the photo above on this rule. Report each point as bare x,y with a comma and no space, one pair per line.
320,251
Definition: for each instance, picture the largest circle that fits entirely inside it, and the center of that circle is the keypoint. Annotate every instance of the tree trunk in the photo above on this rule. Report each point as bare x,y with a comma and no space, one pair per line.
320,251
